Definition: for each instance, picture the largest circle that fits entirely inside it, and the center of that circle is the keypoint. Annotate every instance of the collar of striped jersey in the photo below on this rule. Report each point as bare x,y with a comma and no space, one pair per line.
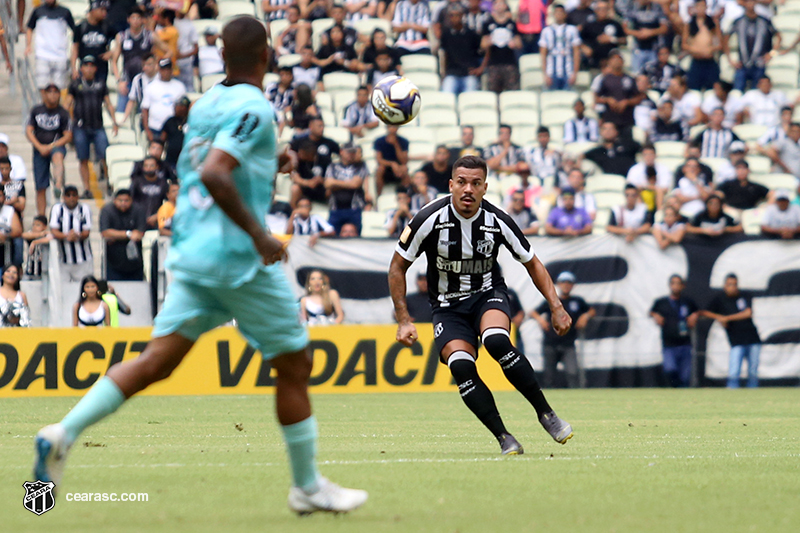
463,218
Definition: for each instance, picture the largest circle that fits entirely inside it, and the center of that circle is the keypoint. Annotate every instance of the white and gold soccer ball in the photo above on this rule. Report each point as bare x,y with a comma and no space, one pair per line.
396,100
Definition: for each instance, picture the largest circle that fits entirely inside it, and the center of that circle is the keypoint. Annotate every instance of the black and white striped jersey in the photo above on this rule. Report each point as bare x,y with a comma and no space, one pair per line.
462,253
65,220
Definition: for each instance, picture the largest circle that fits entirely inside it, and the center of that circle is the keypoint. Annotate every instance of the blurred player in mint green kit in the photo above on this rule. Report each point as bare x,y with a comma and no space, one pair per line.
225,266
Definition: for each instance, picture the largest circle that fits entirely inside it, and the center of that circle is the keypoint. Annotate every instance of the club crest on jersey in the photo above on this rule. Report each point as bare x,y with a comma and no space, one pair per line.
38,496
485,247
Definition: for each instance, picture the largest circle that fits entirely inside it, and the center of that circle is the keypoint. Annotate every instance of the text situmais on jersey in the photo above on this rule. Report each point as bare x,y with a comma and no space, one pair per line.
208,248
461,252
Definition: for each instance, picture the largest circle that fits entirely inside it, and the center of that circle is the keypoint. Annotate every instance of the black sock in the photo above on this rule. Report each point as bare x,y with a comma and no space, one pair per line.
477,395
518,371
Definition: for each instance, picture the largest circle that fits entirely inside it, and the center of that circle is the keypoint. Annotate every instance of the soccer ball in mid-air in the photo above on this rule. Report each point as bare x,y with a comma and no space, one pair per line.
396,100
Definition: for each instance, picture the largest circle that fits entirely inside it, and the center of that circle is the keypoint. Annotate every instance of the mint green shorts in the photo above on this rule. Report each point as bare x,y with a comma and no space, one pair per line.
266,310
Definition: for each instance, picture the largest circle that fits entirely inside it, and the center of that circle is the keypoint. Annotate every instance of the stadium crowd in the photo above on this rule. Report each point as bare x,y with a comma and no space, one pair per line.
632,117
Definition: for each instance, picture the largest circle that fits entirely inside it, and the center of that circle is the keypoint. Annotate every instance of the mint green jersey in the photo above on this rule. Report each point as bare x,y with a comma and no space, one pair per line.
208,248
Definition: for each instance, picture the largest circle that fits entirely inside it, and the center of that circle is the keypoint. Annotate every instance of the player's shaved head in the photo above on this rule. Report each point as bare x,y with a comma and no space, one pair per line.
244,44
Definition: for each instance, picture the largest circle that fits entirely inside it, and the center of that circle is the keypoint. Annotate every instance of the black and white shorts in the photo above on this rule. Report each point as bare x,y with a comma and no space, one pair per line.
462,320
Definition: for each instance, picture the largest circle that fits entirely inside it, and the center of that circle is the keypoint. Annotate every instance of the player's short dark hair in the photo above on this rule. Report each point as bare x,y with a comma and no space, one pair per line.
543,129
40,218
5,160
471,161
245,40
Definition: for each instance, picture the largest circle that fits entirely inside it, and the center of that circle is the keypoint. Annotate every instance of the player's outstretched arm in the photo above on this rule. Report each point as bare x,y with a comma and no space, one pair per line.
406,331
541,278
217,176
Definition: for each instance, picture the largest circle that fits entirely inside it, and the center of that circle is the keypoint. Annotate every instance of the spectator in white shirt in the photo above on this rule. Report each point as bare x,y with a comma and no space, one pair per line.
671,230
692,191
187,49
581,128
763,104
209,58
781,219
727,170
637,175
51,22
776,133
721,97
307,72
785,154
158,104
686,104
18,170
632,219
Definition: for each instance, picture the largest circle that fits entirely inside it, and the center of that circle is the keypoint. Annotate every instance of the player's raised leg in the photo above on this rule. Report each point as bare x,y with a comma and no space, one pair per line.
495,326
459,356
161,356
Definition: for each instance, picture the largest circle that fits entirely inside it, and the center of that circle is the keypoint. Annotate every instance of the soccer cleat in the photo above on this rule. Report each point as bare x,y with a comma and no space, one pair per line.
51,453
330,498
509,445
558,429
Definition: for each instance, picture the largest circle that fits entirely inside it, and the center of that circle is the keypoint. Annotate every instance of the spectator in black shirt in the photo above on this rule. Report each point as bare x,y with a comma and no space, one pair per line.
618,93
149,192
172,134
581,15
661,71
614,155
664,127
462,59
713,222
92,38
601,36
676,315
467,146
418,303
742,193
439,170
203,9
646,23
307,178
391,151
734,311
562,348
337,55
164,171
378,45
48,130
501,40
344,182
87,96
122,226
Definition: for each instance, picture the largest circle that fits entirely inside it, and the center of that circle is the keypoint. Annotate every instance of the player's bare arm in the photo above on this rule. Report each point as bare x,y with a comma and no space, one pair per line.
217,177
541,278
406,331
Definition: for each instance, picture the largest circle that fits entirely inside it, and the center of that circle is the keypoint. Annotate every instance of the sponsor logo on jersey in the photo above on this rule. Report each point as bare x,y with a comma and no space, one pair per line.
447,243
490,229
467,266
444,225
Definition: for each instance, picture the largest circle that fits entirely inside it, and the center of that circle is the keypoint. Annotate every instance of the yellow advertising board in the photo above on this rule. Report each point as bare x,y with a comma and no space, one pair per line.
347,359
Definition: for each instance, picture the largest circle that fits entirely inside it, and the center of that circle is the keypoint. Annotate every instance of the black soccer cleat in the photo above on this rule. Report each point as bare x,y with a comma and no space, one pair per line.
509,445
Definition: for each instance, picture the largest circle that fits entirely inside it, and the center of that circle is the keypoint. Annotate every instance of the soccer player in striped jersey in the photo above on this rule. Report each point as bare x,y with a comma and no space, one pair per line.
226,170
461,235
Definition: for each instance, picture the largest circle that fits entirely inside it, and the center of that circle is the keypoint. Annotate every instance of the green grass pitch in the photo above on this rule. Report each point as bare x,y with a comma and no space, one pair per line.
641,460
